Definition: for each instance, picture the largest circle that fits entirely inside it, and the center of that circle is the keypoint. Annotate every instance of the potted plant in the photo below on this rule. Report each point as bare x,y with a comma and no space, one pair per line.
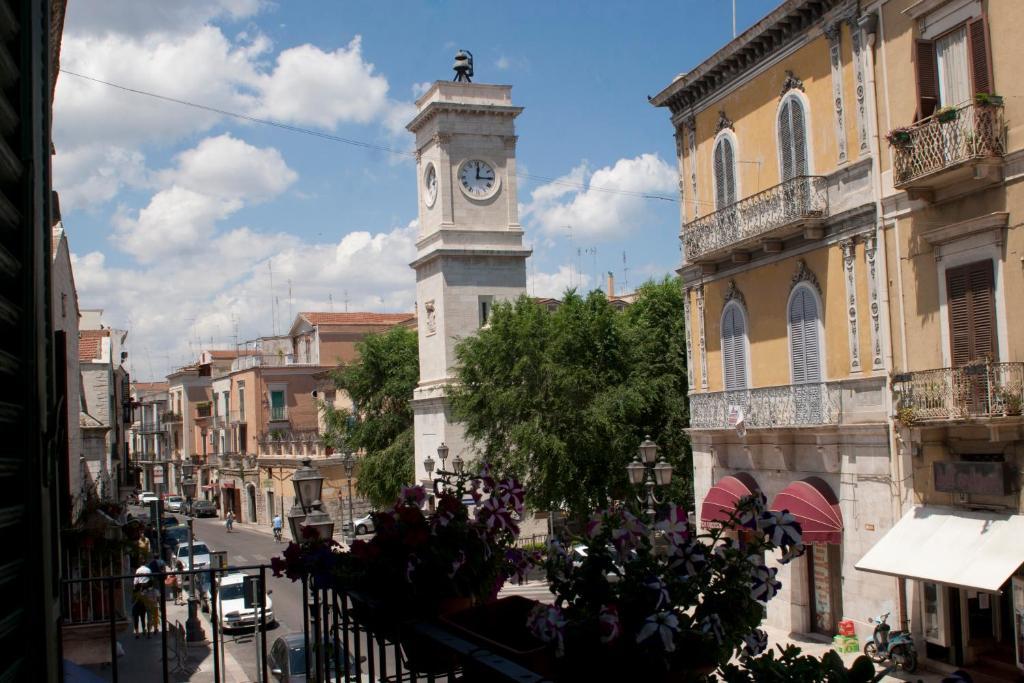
984,99
1011,401
906,416
421,566
946,114
667,603
899,137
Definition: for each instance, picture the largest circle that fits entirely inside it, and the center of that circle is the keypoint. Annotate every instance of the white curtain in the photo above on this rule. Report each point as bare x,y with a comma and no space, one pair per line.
954,79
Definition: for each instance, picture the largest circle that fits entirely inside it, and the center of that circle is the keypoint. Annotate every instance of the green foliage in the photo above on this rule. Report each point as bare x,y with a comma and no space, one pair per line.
564,398
793,667
380,383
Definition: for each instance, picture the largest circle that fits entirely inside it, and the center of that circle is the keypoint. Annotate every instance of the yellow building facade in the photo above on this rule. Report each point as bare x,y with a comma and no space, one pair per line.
949,102
785,311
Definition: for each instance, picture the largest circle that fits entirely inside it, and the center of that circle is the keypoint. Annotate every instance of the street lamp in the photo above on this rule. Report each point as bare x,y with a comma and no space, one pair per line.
349,463
193,627
644,471
453,480
308,484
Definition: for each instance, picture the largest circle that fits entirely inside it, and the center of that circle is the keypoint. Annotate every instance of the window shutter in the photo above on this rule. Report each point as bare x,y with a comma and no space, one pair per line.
970,300
734,362
786,140
729,161
796,336
959,316
720,175
812,356
799,136
981,65
927,78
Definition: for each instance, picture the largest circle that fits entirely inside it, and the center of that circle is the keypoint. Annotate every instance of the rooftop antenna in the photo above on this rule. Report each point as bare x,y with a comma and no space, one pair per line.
733,18
234,325
291,315
625,274
597,276
463,67
572,275
273,312
330,302
345,294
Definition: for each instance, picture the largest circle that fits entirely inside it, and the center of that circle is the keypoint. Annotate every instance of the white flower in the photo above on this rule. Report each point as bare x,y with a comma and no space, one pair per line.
662,624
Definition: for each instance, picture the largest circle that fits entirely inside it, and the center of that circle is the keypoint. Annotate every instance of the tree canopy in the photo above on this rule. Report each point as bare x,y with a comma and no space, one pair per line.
564,398
380,384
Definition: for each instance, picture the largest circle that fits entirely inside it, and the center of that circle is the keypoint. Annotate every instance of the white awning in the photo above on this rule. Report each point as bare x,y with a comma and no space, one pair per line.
968,549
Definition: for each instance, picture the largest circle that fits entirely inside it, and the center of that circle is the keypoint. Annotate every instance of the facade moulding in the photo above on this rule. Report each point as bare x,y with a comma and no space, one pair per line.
834,35
849,247
702,343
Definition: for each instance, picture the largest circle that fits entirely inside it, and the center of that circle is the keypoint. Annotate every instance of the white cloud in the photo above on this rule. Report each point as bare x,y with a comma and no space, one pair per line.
228,281
136,17
594,212
95,173
419,89
555,284
210,182
503,63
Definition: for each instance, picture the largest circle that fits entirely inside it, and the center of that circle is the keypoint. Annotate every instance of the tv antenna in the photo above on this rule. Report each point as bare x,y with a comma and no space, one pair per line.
463,67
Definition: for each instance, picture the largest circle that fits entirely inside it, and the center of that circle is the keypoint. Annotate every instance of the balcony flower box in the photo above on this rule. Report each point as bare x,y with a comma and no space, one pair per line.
899,137
947,115
984,99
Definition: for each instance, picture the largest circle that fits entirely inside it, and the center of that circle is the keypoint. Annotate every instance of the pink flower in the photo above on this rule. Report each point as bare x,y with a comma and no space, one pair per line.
609,623
596,525
674,525
416,495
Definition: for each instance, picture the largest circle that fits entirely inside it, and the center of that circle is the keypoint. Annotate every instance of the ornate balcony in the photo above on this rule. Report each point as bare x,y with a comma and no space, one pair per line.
949,147
980,390
762,220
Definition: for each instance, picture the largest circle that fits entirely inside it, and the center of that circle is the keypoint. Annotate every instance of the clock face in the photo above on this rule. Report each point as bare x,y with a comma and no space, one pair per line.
430,185
478,179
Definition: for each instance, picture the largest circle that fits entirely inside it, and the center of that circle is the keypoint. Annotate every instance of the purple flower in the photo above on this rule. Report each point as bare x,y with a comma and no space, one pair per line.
596,525
792,552
780,528
755,643
628,533
416,495
511,494
608,622
687,559
712,624
763,584
547,624
674,525
660,590
664,625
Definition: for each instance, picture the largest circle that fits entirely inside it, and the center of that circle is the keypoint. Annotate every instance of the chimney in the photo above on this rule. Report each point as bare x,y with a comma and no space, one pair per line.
611,285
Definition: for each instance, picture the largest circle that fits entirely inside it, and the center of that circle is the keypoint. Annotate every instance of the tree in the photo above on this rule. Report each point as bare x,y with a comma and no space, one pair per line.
563,399
380,384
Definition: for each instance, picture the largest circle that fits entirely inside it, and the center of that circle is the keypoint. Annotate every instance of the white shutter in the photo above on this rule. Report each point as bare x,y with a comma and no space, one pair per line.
796,336
725,173
803,337
786,140
799,137
734,356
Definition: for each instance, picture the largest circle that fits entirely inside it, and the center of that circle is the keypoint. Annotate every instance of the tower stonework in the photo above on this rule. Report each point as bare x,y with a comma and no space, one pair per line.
470,251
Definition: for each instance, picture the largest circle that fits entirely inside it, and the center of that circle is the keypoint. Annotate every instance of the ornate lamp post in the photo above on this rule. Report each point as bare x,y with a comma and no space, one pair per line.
349,463
446,480
309,510
644,471
193,627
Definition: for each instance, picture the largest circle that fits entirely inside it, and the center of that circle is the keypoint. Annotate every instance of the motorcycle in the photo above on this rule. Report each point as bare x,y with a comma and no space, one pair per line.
888,644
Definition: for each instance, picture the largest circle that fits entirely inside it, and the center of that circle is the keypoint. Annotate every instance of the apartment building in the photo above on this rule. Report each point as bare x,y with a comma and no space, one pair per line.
785,316
949,112
148,438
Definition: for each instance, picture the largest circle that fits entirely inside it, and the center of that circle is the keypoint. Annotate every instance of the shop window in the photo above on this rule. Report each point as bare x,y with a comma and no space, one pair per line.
933,605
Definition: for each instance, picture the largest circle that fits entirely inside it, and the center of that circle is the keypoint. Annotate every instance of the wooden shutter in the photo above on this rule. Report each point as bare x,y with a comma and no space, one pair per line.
981,64
799,136
803,337
719,175
728,156
927,78
786,140
970,300
796,336
734,352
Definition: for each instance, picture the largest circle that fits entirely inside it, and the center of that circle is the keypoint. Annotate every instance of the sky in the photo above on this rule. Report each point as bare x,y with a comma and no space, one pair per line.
193,228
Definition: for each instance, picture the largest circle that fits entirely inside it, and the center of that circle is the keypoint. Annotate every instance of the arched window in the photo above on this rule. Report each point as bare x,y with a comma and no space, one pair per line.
734,347
725,172
804,341
792,137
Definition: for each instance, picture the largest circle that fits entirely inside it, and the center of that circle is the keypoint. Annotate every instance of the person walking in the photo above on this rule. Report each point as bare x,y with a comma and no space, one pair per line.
229,520
139,613
171,582
278,525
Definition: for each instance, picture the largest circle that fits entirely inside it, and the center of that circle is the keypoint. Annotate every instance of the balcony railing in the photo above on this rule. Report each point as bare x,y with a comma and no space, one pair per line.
170,417
278,413
151,428
791,405
970,391
267,361
204,411
944,140
237,416
797,201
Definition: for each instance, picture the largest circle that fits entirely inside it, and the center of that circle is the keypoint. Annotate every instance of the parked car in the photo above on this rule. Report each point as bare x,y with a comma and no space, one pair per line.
200,554
147,497
364,525
204,508
231,609
287,660
174,504
170,539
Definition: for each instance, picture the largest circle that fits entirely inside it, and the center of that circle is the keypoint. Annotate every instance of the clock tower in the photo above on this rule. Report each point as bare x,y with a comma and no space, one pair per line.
470,251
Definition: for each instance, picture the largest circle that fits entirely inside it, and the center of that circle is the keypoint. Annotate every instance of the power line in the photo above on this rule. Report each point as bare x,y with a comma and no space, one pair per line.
351,141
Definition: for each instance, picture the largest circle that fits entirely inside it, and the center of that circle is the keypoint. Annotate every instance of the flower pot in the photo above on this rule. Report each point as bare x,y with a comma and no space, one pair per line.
500,626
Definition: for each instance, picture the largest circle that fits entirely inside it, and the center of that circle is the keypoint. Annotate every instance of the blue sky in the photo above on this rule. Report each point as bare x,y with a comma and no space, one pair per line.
173,214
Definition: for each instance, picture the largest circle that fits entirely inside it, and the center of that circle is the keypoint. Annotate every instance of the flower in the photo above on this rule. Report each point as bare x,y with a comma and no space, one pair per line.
763,584
628,533
660,590
792,552
511,494
750,509
547,624
755,643
608,622
596,525
781,528
457,563
662,624
712,624
410,567
415,495
688,559
674,525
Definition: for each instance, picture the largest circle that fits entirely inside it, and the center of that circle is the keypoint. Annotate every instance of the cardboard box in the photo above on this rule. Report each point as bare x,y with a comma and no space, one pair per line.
844,644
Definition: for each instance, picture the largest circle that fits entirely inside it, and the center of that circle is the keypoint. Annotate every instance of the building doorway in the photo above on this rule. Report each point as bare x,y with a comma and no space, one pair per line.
823,576
251,491
270,505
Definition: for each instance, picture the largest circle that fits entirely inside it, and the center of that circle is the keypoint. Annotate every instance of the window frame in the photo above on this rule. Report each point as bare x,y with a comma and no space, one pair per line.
728,135
800,97
746,344
823,368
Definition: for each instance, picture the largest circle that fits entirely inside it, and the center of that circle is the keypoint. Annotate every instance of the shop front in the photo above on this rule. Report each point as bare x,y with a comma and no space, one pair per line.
965,568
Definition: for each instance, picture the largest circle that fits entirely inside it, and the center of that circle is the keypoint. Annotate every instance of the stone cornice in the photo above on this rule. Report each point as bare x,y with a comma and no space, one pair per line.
462,109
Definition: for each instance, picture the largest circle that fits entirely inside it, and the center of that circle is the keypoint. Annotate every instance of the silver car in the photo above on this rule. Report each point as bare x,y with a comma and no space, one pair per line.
287,660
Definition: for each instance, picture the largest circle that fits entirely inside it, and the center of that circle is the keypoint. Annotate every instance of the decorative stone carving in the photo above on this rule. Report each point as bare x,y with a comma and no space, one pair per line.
702,348
431,316
688,327
724,121
858,70
442,138
804,274
791,83
733,293
870,253
691,143
849,275
834,35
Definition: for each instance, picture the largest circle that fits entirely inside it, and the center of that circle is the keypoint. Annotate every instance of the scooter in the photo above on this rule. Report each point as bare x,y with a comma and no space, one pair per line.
887,644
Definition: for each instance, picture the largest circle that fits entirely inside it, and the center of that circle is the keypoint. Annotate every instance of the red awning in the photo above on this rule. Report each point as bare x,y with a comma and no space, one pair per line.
721,499
815,505
228,484
209,487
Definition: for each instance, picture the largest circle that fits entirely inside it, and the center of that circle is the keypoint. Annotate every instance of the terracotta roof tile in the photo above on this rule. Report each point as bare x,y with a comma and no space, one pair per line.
90,344
222,354
355,318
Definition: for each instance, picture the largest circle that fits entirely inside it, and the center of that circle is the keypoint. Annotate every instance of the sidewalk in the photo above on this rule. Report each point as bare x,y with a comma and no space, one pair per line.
141,660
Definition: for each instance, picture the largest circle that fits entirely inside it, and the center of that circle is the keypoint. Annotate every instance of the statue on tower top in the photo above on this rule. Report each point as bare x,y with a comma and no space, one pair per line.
463,67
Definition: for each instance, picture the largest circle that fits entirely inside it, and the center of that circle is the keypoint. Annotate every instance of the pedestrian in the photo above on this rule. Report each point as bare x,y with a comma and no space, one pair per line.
171,582
229,520
139,612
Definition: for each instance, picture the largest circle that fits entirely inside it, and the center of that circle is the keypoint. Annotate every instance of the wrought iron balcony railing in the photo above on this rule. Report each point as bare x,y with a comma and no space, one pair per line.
150,428
946,139
791,405
203,411
969,391
278,413
795,202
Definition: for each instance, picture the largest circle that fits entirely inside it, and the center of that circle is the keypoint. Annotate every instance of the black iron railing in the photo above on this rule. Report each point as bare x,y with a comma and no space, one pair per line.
391,649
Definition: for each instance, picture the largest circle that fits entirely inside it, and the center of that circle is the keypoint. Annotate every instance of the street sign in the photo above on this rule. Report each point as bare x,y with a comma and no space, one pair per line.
219,559
251,591
158,475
